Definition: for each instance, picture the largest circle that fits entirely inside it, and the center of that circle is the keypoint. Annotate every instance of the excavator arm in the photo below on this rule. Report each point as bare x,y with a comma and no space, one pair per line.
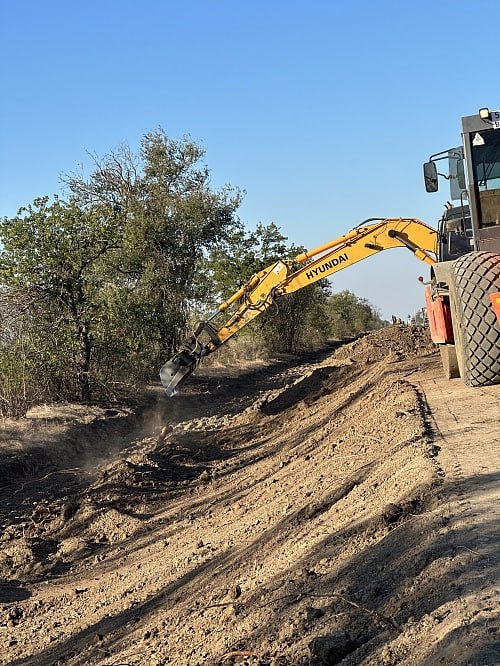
282,277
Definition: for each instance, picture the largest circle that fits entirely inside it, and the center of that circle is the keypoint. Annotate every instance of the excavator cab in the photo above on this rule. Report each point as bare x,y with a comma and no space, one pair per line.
455,233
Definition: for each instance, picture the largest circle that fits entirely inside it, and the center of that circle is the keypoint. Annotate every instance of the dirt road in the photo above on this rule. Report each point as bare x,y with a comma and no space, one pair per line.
466,426
339,510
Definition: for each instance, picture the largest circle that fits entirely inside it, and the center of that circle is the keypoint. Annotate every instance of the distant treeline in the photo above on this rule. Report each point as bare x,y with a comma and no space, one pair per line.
99,288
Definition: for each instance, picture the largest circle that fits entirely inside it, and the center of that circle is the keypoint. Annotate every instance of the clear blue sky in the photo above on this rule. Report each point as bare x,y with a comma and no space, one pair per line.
323,111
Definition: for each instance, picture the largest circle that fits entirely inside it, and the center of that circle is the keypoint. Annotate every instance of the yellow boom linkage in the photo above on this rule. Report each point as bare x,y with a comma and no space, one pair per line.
280,278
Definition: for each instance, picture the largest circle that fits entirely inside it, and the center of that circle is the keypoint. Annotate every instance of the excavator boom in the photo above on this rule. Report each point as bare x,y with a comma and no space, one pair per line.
282,277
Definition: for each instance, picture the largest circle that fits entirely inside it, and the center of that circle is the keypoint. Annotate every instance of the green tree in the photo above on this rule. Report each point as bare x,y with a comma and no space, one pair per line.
111,275
51,255
171,219
350,315
240,254
292,321
298,320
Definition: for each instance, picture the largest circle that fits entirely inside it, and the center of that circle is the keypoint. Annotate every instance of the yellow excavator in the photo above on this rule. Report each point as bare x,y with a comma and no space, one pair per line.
280,278
462,294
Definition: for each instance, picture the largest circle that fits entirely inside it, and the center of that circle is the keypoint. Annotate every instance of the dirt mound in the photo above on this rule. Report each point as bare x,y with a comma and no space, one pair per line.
285,516
394,343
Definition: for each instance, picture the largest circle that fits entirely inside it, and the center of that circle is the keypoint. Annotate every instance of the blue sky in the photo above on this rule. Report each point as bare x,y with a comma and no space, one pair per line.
323,112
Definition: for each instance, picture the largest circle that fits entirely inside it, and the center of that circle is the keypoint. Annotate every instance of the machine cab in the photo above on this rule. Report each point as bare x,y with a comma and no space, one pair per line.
481,137
455,233
474,177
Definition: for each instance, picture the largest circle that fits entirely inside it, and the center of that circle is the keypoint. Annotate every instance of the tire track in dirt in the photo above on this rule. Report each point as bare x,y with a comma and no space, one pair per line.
466,425
290,516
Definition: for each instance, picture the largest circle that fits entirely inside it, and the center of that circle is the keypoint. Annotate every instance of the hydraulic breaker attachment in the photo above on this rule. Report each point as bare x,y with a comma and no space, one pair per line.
185,361
176,370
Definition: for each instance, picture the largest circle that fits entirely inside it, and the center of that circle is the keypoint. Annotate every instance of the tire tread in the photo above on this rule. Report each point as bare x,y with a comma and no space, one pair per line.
476,275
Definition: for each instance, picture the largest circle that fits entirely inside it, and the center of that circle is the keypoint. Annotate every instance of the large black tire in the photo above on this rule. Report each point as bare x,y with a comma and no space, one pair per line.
475,326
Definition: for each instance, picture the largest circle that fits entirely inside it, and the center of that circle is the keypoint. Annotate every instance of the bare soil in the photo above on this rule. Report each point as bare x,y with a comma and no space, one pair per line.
336,508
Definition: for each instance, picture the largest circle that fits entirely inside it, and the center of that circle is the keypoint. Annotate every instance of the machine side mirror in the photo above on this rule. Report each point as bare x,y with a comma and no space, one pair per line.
430,177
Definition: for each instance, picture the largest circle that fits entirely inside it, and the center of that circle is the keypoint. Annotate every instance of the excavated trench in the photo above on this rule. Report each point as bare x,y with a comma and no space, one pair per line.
291,513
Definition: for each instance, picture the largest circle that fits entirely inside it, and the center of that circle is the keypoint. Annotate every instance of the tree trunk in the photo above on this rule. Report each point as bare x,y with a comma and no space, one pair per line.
76,302
85,360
